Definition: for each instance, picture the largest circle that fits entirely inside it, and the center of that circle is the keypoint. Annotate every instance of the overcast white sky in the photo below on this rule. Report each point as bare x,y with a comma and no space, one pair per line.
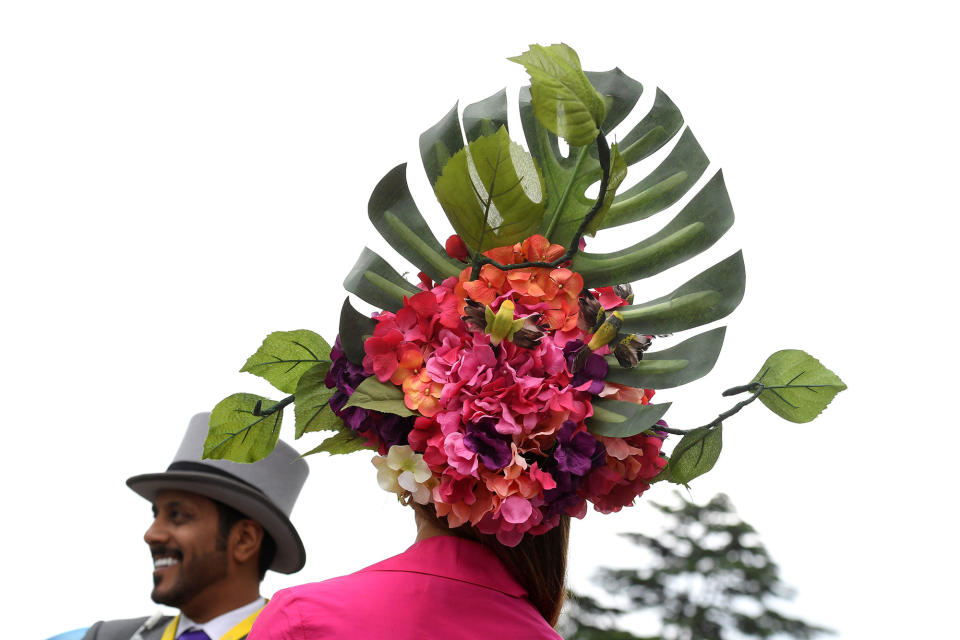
178,179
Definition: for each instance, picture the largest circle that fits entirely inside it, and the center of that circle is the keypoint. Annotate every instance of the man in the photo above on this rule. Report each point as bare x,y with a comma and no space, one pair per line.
218,526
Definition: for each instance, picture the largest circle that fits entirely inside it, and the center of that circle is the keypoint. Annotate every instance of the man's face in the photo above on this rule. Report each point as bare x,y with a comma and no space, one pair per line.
188,554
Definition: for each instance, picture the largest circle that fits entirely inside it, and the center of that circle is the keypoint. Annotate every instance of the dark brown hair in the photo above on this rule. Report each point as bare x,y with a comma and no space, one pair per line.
538,563
227,517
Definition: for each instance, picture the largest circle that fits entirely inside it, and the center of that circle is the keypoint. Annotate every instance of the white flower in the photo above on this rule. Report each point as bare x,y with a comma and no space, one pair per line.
403,471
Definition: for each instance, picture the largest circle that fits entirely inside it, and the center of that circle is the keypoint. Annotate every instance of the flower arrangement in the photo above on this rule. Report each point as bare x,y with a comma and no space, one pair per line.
490,368
512,384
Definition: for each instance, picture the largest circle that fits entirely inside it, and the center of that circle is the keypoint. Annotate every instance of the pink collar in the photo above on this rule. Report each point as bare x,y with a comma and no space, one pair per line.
457,559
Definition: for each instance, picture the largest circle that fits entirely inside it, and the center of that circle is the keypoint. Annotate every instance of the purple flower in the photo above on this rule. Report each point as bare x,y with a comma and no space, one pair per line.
575,450
393,429
491,447
594,369
343,374
346,377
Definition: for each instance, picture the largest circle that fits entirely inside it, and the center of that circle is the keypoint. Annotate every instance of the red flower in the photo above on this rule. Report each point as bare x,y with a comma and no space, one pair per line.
457,248
381,351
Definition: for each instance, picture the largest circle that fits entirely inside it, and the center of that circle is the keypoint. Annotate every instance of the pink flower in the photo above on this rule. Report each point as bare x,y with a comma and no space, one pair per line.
459,457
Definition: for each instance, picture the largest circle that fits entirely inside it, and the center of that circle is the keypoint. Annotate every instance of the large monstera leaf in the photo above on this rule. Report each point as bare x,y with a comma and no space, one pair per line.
452,152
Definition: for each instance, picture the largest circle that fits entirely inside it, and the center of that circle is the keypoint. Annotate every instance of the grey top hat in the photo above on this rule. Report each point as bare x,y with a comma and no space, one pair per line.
264,491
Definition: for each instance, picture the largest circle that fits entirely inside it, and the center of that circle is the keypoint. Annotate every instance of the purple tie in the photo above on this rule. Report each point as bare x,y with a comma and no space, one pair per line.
194,634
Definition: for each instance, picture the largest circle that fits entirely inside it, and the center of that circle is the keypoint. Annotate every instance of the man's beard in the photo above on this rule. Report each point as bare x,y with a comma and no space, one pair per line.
193,576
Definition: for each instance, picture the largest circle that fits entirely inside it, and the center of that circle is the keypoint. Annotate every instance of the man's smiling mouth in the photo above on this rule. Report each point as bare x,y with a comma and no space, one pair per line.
165,559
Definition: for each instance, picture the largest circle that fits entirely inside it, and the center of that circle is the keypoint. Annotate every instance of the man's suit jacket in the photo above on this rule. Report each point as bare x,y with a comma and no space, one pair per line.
124,629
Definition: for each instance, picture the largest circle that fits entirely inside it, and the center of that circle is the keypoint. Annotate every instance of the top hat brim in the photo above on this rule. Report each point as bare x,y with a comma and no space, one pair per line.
291,555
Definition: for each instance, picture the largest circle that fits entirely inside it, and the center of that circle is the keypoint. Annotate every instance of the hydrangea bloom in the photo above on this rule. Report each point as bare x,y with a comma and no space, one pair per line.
500,439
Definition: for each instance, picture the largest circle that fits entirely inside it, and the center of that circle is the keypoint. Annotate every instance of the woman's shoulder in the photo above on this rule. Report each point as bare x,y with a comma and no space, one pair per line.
404,598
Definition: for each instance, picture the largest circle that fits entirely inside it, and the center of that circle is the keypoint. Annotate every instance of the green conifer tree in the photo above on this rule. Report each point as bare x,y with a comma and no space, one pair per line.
708,578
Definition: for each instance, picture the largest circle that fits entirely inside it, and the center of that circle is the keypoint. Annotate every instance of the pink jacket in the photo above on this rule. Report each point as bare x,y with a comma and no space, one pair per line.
442,587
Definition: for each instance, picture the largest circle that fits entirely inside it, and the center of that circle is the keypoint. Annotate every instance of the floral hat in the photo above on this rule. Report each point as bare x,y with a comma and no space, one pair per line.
512,384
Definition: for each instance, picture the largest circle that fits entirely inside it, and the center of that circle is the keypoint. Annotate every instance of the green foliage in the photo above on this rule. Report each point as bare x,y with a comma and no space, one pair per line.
344,441
284,356
468,169
439,143
485,117
618,173
617,419
395,215
564,100
705,576
796,386
374,280
312,403
492,192
696,228
237,434
379,396
355,327
568,177
694,455
709,296
688,361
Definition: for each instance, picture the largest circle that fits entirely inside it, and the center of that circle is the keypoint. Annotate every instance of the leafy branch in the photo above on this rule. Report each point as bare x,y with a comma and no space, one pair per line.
778,386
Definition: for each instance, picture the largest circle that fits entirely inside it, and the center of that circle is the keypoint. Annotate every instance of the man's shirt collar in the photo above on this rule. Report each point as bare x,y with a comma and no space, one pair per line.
219,626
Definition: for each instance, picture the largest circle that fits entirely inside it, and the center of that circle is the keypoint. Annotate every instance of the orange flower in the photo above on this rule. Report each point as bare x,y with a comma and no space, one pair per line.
409,362
510,254
536,248
487,287
422,394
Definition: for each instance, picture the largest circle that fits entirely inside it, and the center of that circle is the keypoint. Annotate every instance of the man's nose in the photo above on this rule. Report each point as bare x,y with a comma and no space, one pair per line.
155,533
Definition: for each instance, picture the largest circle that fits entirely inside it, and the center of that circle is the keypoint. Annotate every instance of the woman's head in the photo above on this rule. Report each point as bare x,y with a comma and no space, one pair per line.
538,563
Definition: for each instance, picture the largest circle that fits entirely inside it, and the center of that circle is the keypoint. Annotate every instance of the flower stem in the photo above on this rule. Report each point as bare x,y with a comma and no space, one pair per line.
260,412
755,387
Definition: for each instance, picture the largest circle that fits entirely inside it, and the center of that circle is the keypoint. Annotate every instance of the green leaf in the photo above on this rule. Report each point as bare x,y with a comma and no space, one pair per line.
376,282
696,228
311,407
663,186
796,386
707,297
492,192
569,177
485,117
617,419
688,361
379,396
344,441
564,101
395,215
237,434
284,356
618,172
355,328
694,455
439,143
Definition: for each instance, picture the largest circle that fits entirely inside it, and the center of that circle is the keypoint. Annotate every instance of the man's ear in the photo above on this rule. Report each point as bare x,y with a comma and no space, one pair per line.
245,540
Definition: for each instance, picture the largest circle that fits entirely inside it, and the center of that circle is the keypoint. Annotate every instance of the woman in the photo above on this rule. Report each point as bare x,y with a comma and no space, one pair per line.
455,584
495,459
